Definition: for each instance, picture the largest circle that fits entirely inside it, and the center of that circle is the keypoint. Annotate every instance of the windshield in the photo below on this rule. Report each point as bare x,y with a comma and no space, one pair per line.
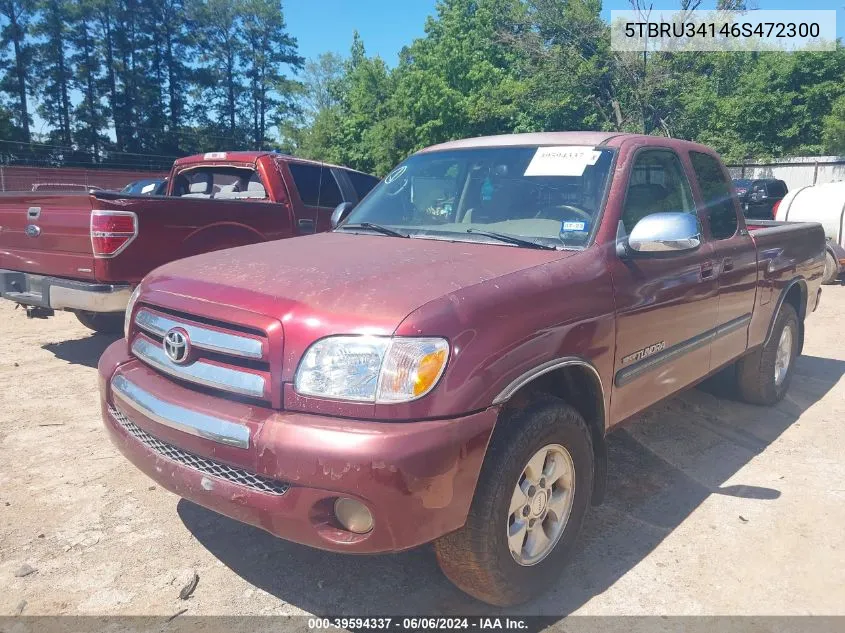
552,195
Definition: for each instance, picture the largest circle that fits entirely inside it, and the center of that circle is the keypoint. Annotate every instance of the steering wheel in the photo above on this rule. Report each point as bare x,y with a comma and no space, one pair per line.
561,211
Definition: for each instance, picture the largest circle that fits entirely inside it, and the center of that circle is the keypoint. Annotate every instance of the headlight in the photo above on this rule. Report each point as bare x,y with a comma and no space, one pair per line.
371,368
127,319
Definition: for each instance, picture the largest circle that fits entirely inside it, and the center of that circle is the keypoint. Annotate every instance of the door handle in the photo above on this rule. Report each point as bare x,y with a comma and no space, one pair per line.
706,270
728,265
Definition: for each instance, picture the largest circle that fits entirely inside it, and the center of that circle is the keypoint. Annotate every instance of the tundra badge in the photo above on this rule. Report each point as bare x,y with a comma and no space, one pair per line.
644,352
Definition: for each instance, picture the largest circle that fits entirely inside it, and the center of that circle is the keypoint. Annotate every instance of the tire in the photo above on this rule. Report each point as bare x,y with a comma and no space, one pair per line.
477,558
831,269
102,322
757,379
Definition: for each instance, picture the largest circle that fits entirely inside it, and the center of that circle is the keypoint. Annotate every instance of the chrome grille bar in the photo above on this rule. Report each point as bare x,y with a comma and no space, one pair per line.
204,465
179,418
204,338
215,376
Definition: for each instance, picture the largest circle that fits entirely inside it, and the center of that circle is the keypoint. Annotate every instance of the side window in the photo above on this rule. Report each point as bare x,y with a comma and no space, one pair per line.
362,183
330,195
307,181
716,193
317,186
657,185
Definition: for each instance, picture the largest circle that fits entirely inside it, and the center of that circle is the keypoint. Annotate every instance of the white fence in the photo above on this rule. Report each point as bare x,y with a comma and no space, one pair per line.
795,172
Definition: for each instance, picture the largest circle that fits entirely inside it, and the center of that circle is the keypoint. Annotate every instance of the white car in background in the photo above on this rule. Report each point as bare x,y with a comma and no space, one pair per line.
824,204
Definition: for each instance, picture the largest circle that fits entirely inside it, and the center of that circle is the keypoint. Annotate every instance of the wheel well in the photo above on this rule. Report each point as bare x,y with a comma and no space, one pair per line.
580,387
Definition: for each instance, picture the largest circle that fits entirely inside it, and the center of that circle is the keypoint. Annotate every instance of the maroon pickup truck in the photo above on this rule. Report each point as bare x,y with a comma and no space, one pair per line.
445,365
85,251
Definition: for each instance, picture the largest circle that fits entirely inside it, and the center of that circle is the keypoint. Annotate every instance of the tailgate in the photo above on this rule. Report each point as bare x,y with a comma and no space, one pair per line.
47,234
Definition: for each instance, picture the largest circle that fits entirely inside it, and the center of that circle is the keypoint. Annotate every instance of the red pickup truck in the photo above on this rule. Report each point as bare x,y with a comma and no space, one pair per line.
445,365
85,251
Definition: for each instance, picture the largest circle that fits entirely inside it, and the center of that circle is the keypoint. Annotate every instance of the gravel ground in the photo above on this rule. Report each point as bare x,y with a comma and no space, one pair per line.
714,507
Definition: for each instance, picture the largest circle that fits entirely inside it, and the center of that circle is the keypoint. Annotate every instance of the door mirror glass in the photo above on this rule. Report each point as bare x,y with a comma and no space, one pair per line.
665,233
340,212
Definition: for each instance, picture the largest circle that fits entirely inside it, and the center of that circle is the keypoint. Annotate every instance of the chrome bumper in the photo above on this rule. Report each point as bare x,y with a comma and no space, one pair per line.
130,395
63,294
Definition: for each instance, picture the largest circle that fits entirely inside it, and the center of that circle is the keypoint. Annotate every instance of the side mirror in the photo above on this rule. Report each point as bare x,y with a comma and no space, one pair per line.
665,233
340,212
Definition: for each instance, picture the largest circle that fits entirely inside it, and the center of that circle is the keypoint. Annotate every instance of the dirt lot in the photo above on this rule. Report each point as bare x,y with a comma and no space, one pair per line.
714,507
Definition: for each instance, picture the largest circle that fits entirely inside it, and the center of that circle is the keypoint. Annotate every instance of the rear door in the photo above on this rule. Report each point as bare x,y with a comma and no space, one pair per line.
734,257
665,306
318,193
47,234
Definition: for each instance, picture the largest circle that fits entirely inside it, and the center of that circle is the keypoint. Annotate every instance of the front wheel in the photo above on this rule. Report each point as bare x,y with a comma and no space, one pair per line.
102,322
530,501
764,375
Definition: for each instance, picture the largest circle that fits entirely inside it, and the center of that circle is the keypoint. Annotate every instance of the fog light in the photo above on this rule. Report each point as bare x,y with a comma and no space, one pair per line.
353,515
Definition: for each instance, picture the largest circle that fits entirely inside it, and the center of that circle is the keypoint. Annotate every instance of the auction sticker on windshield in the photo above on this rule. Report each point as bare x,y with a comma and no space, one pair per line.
564,160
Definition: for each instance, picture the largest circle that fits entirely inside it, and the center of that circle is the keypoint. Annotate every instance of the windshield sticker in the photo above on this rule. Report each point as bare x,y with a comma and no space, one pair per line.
395,174
564,160
573,226
148,188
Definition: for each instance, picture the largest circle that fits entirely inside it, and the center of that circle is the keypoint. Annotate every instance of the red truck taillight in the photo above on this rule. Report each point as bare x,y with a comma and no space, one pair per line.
775,210
112,231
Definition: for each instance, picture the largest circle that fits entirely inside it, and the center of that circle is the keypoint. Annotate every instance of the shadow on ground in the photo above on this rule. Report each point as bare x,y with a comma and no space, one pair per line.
82,351
662,467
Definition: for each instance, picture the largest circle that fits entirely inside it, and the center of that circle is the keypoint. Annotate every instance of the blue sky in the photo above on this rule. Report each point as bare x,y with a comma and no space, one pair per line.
387,25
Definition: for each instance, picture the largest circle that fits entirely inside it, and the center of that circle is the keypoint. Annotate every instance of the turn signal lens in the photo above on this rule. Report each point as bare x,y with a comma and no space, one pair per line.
411,368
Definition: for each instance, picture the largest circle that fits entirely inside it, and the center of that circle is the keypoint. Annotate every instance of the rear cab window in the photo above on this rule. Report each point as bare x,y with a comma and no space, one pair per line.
716,195
219,183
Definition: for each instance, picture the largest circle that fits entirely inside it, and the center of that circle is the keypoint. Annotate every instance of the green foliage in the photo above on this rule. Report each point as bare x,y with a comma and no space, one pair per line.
120,80
141,81
833,135
501,66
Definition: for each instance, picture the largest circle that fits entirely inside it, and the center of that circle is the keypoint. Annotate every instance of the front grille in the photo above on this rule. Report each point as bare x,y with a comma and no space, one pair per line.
220,357
201,464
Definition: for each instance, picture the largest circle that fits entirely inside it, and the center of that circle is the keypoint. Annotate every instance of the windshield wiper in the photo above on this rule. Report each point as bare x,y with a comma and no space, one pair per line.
375,227
512,239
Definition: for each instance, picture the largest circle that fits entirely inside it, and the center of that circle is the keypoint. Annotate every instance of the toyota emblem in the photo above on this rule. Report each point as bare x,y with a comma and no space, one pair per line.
177,345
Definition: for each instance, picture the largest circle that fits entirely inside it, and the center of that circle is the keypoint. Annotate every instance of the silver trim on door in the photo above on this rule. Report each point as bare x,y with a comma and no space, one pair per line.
201,337
179,418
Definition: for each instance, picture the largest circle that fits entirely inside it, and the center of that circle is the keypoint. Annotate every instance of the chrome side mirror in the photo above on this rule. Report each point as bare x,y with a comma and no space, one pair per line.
340,212
665,233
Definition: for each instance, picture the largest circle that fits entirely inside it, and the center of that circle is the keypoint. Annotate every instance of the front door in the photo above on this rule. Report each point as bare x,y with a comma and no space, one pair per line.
665,306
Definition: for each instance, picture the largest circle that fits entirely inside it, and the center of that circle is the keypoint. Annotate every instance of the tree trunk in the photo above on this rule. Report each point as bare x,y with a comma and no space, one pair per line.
173,95
116,110
230,79
20,73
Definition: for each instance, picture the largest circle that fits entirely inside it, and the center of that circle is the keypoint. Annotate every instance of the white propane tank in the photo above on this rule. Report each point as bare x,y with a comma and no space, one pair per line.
823,203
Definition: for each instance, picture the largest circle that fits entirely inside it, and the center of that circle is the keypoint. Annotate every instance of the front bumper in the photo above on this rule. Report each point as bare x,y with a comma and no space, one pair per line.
282,471
56,293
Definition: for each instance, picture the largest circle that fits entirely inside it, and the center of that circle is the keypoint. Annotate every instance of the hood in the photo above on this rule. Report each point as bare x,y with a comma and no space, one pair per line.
368,282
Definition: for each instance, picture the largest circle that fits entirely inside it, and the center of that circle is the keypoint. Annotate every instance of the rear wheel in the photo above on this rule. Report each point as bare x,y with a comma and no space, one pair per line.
764,375
102,322
530,501
831,269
